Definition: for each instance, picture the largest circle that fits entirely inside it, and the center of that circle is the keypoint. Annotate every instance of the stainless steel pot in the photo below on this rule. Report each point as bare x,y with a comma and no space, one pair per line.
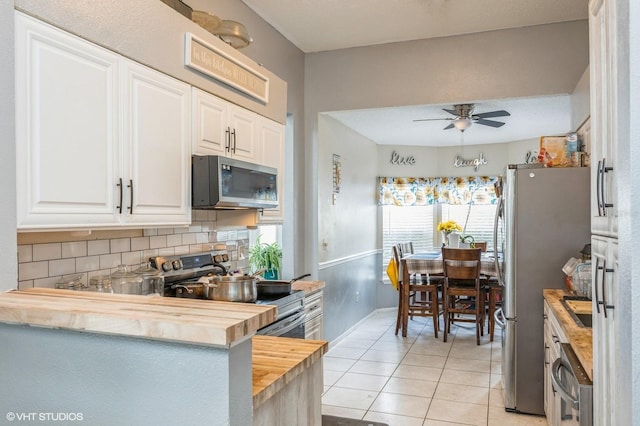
232,288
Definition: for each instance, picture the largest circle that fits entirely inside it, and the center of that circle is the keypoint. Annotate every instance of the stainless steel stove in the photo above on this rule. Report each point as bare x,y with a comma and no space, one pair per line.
180,270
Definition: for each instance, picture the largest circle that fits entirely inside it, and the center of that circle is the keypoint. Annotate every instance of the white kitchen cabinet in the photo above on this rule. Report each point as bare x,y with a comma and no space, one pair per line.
88,125
604,259
603,133
271,137
222,128
313,307
67,128
156,147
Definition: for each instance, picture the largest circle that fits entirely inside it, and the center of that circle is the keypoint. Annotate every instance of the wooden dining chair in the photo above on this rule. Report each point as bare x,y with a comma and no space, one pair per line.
398,254
412,284
494,297
463,292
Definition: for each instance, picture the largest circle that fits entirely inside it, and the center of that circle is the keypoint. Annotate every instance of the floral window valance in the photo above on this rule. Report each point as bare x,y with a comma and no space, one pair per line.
426,191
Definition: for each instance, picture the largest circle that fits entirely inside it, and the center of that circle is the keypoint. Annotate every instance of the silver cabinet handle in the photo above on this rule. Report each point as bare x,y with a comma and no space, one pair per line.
119,206
605,205
227,139
130,186
234,141
599,187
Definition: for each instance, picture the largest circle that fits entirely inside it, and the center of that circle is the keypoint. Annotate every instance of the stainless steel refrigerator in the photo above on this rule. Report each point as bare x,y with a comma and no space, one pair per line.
542,220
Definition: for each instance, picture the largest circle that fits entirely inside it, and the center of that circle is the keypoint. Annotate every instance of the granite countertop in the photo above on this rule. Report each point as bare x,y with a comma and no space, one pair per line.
190,321
278,360
580,338
308,286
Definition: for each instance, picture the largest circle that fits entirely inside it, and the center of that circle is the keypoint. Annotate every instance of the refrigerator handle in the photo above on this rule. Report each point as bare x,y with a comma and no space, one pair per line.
497,315
495,241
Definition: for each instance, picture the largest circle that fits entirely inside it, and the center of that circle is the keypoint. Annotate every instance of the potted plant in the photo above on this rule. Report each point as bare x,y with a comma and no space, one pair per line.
263,256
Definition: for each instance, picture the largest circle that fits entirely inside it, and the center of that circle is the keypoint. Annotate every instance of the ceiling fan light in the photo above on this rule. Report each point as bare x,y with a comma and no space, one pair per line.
462,123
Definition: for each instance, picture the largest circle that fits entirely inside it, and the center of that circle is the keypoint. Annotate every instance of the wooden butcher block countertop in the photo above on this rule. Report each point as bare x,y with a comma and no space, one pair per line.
190,321
580,338
278,360
307,286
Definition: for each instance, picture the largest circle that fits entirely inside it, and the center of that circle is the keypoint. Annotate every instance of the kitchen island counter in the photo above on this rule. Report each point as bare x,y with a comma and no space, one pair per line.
201,322
287,380
580,338
95,344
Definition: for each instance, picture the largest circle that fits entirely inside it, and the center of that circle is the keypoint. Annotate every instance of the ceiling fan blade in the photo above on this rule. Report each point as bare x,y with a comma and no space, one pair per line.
433,119
501,113
450,126
451,111
489,123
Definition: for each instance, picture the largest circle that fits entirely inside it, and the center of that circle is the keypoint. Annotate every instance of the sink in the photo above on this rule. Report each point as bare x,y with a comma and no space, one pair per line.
583,320
576,303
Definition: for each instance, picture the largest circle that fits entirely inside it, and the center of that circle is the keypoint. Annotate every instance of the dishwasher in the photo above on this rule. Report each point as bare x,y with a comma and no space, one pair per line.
574,390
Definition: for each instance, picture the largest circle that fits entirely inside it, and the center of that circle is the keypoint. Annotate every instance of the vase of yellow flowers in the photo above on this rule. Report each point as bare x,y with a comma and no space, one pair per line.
447,228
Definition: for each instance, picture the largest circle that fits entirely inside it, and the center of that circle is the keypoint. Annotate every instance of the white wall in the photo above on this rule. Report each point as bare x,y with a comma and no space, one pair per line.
580,101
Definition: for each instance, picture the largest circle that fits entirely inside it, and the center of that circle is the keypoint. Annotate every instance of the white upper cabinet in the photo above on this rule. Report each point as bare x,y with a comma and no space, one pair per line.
603,135
222,128
157,147
272,138
67,128
88,125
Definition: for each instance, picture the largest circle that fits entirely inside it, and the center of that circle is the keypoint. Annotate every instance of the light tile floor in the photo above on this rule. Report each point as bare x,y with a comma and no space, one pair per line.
372,374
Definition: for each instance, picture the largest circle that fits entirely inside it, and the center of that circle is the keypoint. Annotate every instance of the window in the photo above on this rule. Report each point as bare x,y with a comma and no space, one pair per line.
403,224
479,220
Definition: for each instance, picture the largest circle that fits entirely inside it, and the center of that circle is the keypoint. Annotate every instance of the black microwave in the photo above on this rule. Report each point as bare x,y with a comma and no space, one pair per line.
226,183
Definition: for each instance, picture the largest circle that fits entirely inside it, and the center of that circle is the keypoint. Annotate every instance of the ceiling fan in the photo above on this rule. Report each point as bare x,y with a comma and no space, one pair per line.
464,117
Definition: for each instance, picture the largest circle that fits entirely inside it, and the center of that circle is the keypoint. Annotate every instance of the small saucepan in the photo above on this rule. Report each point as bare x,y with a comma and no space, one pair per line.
270,287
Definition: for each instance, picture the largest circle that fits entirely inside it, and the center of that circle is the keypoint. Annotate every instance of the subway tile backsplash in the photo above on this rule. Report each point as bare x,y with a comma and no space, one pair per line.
43,264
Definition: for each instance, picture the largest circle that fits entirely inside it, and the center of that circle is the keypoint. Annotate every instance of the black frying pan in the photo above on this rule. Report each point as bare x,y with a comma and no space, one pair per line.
269,287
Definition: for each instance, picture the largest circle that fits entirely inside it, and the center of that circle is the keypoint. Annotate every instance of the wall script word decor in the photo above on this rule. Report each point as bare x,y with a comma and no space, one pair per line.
215,63
402,161
475,162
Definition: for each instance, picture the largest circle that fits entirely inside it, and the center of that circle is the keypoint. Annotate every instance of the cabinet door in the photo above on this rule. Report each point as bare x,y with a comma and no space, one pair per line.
244,133
157,142
210,128
603,135
604,258
66,129
272,149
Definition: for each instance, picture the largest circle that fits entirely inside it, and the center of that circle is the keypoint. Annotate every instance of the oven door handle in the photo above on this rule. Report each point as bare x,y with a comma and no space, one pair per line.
287,325
557,383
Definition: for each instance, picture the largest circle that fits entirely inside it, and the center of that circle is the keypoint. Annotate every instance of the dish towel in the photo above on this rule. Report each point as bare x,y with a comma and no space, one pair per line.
392,273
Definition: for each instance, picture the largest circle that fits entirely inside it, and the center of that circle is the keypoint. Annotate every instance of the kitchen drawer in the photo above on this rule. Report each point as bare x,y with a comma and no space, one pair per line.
313,304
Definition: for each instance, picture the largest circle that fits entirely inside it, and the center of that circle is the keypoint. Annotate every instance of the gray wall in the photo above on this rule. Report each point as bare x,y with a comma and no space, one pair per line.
445,70
8,240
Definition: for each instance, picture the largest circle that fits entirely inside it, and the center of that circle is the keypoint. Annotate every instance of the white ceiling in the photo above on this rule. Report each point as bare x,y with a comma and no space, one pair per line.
319,25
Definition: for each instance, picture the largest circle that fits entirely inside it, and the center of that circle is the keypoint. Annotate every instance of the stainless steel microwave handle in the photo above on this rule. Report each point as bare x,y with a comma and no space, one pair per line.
557,383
